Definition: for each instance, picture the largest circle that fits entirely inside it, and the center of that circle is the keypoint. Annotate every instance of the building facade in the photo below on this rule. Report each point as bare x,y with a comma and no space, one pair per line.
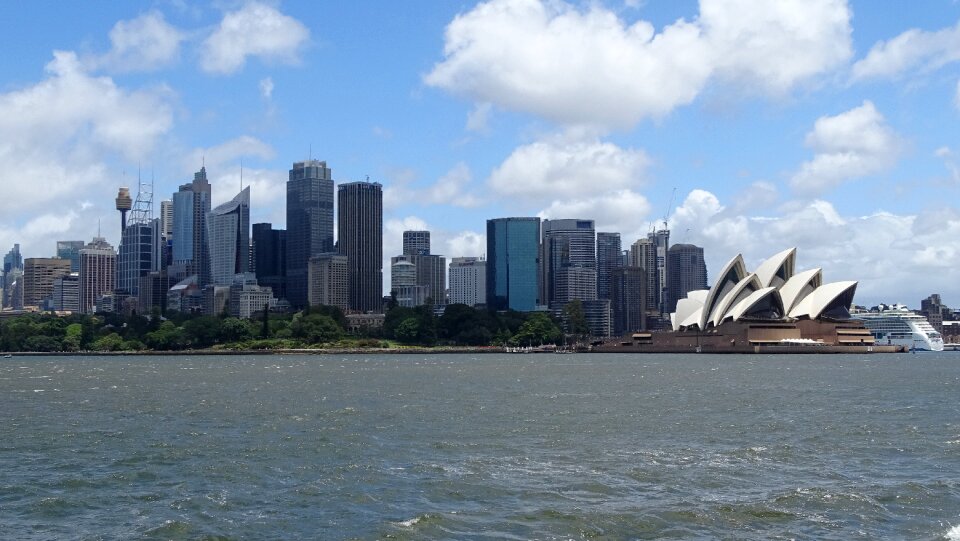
66,293
513,248
568,262
191,204
360,238
70,249
39,274
98,271
627,298
328,283
609,257
228,232
309,224
270,257
416,243
468,281
687,272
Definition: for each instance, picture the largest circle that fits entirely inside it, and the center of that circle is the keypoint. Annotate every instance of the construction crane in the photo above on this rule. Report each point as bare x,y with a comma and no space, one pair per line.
666,215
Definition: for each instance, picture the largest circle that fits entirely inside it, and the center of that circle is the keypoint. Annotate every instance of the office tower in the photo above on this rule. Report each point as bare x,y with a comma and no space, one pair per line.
609,257
328,283
405,283
643,254
568,262
513,247
70,249
66,293
416,243
124,204
599,316
12,271
139,252
153,293
166,219
688,272
228,232
628,297
38,276
191,204
661,242
933,309
98,271
13,260
246,297
309,223
14,290
360,238
468,281
270,258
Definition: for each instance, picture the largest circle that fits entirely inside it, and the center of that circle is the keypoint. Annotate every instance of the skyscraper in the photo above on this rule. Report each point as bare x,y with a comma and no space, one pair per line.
429,277
70,249
228,232
190,207
416,243
166,219
688,272
608,258
360,238
269,258
328,283
643,254
39,274
661,242
468,281
627,299
139,250
513,247
12,272
98,271
568,262
309,223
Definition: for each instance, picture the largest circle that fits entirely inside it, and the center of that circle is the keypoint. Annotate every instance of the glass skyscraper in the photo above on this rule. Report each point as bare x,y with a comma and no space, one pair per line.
568,262
269,258
228,231
309,223
609,257
190,207
513,246
360,238
70,249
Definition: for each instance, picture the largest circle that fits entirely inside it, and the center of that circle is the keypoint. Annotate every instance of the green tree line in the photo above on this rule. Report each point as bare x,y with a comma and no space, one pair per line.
318,326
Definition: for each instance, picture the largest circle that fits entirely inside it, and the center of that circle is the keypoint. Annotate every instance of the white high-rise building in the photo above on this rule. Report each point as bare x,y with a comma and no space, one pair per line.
228,232
166,219
468,281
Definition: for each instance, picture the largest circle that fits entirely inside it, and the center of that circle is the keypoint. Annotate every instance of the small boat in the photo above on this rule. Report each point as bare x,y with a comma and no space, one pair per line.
7,356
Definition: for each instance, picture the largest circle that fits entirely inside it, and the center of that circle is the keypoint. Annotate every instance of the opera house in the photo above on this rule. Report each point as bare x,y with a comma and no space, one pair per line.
772,309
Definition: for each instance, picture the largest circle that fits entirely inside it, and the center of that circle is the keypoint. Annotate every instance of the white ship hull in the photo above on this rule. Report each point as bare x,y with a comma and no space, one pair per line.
902,328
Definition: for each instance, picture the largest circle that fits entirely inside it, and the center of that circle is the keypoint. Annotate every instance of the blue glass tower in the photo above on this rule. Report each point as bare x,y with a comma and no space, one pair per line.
513,246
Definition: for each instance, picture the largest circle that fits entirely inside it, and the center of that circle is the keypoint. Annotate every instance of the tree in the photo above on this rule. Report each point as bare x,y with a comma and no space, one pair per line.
109,342
168,337
408,331
538,329
235,330
203,331
315,328
265,322
575,319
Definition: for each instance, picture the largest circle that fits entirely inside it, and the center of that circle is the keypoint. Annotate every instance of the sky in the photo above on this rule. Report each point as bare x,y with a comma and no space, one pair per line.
747,126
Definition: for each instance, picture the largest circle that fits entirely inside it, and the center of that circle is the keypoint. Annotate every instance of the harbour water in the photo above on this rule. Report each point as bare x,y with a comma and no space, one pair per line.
481,447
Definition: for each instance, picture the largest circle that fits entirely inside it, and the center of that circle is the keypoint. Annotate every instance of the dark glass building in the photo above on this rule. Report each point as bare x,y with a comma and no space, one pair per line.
70,249
513,248
568,262
687,272
269,258
628,292
609,257
309,223
360,238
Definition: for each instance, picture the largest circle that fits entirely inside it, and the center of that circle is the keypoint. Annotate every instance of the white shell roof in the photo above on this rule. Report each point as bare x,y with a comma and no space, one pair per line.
722,286
686,308
767,270
816,302
744,287
790,292
746,304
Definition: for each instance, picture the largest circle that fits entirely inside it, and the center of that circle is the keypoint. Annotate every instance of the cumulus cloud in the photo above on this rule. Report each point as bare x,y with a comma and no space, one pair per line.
229,151
622,210
885,252
61,129
852,144
913,49
454,188
146,43
258,30
562,168
589,67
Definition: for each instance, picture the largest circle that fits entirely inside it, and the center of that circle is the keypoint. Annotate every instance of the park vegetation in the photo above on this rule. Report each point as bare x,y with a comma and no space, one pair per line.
316,327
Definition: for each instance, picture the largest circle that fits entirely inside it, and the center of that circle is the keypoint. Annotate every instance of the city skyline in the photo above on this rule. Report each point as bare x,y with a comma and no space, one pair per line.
845,149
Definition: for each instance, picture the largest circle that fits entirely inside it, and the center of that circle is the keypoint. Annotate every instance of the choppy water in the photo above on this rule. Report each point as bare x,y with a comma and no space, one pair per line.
481,447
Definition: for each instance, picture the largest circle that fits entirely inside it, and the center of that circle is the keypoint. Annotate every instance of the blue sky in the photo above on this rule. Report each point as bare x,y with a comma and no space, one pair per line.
821,124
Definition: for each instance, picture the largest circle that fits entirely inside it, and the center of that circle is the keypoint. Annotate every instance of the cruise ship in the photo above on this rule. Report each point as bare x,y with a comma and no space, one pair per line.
901,327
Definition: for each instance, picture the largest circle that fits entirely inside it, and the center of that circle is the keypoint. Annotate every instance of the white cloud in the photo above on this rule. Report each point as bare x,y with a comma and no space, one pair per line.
146,43
852,144
465,244
624,211
256,29
57,135
885,252
216,156
266,88
563,168
589,67
913,49
453,189
478,119
268,193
